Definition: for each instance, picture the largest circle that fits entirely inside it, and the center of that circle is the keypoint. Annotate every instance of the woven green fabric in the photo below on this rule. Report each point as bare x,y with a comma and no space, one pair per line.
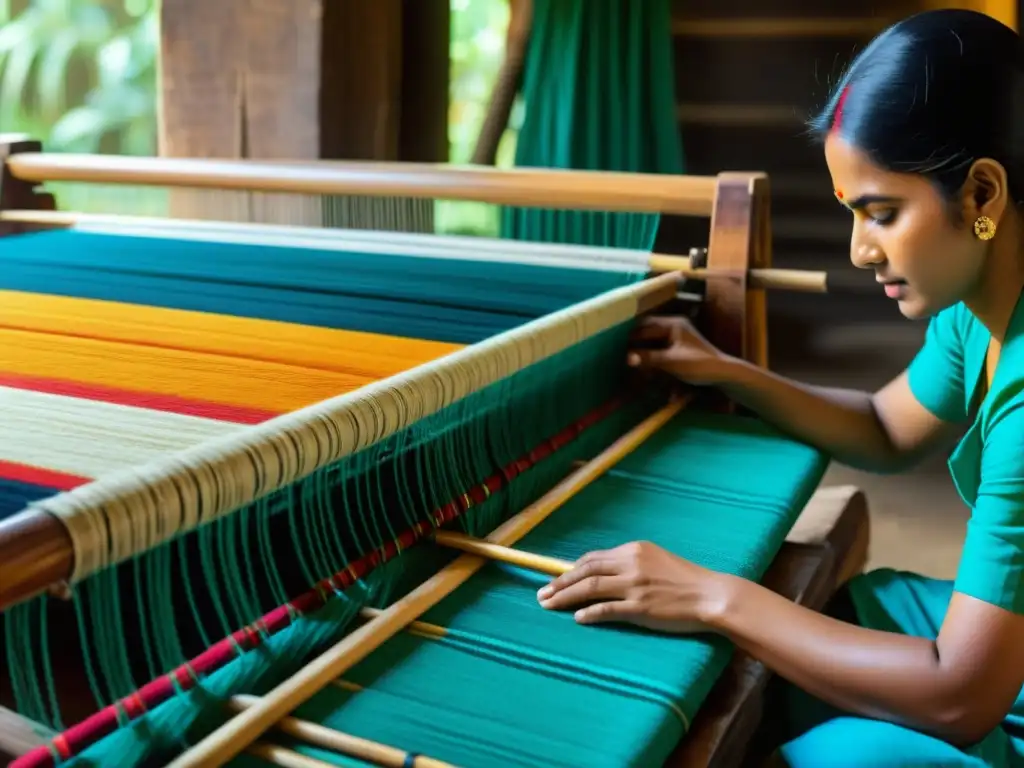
513,685
599,94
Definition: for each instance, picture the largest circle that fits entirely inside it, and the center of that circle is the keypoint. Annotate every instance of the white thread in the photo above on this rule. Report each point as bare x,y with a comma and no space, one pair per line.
458,247
89,438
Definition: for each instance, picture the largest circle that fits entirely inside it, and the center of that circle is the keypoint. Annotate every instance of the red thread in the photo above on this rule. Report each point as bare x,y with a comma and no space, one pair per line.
839,109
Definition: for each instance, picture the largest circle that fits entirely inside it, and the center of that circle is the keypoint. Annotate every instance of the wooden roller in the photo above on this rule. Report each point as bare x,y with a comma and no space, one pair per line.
547,188
801,280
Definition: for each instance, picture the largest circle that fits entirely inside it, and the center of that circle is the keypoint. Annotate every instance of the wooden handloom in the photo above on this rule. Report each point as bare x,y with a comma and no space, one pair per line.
731,275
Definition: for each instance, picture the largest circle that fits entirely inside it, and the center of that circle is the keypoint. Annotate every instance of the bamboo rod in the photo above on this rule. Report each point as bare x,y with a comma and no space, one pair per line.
416,627
473,546
343,743
799,280
286,758
231,739
531,187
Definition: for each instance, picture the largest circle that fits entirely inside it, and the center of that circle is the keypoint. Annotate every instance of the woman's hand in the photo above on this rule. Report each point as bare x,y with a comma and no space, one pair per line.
673,345
639,583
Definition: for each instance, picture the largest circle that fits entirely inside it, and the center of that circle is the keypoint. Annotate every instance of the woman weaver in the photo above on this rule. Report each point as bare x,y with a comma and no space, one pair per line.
924,140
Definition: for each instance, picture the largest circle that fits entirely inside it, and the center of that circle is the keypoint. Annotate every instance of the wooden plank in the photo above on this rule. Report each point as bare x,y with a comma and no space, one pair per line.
361,79
857,27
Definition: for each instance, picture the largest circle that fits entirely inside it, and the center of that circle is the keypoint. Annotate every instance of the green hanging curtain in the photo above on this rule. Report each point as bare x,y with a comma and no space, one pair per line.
599,92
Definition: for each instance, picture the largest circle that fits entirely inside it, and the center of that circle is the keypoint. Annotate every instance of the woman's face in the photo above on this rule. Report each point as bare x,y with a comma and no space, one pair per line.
903,230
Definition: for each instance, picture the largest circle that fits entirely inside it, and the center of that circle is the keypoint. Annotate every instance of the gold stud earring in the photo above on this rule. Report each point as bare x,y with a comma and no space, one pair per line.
984,228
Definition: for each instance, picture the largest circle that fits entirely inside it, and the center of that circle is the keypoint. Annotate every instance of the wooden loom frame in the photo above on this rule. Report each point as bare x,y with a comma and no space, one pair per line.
34,550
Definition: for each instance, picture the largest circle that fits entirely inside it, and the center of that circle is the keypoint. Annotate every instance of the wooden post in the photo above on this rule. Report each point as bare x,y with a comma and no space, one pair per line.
503,97
302,80
735,315
16,194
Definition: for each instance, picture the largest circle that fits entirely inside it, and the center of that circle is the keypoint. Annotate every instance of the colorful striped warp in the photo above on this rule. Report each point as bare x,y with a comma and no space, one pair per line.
130,348
87,387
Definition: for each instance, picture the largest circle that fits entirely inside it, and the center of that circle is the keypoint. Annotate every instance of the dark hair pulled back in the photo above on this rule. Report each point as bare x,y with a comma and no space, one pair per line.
931,95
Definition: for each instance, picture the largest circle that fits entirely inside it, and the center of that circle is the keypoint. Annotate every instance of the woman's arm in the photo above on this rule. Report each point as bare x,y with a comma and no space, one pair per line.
958,687
884,431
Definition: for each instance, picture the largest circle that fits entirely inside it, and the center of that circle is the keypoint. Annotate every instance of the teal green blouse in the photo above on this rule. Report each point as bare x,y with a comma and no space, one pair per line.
988,464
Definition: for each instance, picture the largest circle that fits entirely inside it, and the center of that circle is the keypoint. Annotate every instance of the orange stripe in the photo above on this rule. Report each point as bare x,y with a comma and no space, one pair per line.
306,346
241,362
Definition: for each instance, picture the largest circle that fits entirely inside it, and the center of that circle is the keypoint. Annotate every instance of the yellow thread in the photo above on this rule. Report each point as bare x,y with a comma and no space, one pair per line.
237,361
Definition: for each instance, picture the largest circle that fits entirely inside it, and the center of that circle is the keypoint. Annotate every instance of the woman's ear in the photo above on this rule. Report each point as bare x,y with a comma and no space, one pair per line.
985,191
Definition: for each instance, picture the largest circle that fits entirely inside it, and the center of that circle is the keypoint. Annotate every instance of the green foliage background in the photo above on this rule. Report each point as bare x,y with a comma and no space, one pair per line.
82,76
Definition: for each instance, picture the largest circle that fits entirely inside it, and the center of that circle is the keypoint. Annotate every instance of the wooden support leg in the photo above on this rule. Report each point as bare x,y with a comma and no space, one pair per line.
16,194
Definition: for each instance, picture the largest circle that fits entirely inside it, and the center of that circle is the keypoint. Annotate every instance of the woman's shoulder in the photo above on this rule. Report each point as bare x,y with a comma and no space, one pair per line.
956,322
1006,397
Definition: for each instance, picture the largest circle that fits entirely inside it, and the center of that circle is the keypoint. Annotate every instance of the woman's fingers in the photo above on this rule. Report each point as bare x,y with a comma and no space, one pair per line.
613,610
597,578
589,590
649,358
654,328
